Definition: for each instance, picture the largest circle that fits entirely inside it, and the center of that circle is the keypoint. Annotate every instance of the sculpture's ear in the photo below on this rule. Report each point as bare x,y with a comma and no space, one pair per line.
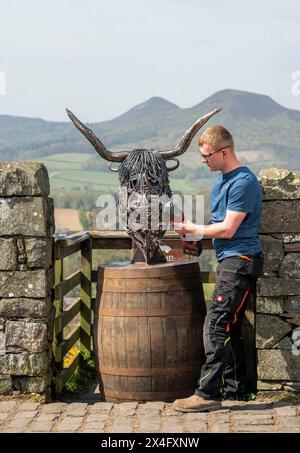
177,163
115,170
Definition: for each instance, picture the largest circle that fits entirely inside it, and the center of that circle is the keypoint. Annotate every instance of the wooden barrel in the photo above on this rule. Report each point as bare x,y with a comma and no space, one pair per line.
147,330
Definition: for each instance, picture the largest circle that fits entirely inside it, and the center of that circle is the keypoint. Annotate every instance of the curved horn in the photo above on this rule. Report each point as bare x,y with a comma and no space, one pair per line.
118,156
177,163
185,141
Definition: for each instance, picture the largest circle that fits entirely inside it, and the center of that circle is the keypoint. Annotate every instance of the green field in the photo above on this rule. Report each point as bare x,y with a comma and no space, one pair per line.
66,171
69,157
66,161
83,178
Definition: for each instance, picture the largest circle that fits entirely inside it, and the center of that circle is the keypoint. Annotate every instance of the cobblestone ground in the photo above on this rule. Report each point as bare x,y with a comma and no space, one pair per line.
157,417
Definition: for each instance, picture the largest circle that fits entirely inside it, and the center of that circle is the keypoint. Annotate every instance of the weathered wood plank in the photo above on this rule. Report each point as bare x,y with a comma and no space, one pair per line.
69,314
85,296
65,374
68,283
69,342
58,304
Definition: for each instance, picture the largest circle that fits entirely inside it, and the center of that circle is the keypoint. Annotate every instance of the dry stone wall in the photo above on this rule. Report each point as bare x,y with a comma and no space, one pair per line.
278,291
26,278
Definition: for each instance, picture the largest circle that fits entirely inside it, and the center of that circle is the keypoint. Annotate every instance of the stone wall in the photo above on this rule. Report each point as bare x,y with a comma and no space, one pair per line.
26,278
278,291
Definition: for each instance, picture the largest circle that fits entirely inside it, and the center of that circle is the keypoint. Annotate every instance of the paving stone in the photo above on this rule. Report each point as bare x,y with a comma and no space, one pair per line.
283,411
122,429
69,424
153,406
257,420
43,418
3,415
101,407
12,430
220,428
7,406
25,414
28,406
41,427
257,416
121,424
95,426
255,429
76,412
127,409
289,429
76,409
172,424
149,424
53,408
96,417
199,427
21,423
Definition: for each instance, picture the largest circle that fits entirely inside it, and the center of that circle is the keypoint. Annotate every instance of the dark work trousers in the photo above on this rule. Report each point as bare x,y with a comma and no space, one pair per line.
224,372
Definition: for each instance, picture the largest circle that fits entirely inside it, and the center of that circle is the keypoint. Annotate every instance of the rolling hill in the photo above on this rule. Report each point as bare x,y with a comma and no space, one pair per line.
266,134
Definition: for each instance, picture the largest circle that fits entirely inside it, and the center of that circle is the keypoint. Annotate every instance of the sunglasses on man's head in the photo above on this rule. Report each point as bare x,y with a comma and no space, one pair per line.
208,155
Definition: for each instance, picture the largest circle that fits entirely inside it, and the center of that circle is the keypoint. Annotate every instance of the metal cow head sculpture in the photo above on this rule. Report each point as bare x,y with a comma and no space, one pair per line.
143,175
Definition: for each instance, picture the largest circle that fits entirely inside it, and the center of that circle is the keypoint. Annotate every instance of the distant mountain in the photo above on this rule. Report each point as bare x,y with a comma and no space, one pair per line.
257,122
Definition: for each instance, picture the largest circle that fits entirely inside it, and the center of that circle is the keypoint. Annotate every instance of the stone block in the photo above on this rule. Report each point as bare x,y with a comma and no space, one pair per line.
269,385
292,386
273,254
5,384
26,216
33,283
292,304
290,238
277,365
25,336
273,287
271,305
24,364
25,308
285,343
50,218
270,330
39,252
280,217
23,178
8,255
290,267
279,184
31,384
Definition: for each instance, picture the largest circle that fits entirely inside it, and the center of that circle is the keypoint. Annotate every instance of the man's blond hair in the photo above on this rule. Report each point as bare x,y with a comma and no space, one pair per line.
216,136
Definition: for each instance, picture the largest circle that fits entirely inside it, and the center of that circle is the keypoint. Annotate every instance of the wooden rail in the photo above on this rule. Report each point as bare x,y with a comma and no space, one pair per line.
80,339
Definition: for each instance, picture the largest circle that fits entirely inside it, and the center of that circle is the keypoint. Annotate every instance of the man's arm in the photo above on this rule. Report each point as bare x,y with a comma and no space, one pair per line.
221,230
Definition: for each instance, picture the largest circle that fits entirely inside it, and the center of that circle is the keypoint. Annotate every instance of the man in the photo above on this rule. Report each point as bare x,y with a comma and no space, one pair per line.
235,217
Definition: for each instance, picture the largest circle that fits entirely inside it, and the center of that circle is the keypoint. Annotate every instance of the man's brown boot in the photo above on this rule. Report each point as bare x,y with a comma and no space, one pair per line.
196,404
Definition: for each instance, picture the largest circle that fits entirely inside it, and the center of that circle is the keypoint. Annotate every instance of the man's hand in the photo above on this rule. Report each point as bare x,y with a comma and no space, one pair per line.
189,230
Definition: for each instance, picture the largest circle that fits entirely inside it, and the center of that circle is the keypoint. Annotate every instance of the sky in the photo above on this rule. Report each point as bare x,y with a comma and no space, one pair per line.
101,57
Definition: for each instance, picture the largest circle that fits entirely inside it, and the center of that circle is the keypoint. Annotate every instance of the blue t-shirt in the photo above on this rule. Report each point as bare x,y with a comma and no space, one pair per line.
238,190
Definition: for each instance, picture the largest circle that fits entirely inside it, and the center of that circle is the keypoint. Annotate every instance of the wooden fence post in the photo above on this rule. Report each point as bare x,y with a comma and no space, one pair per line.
86,298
